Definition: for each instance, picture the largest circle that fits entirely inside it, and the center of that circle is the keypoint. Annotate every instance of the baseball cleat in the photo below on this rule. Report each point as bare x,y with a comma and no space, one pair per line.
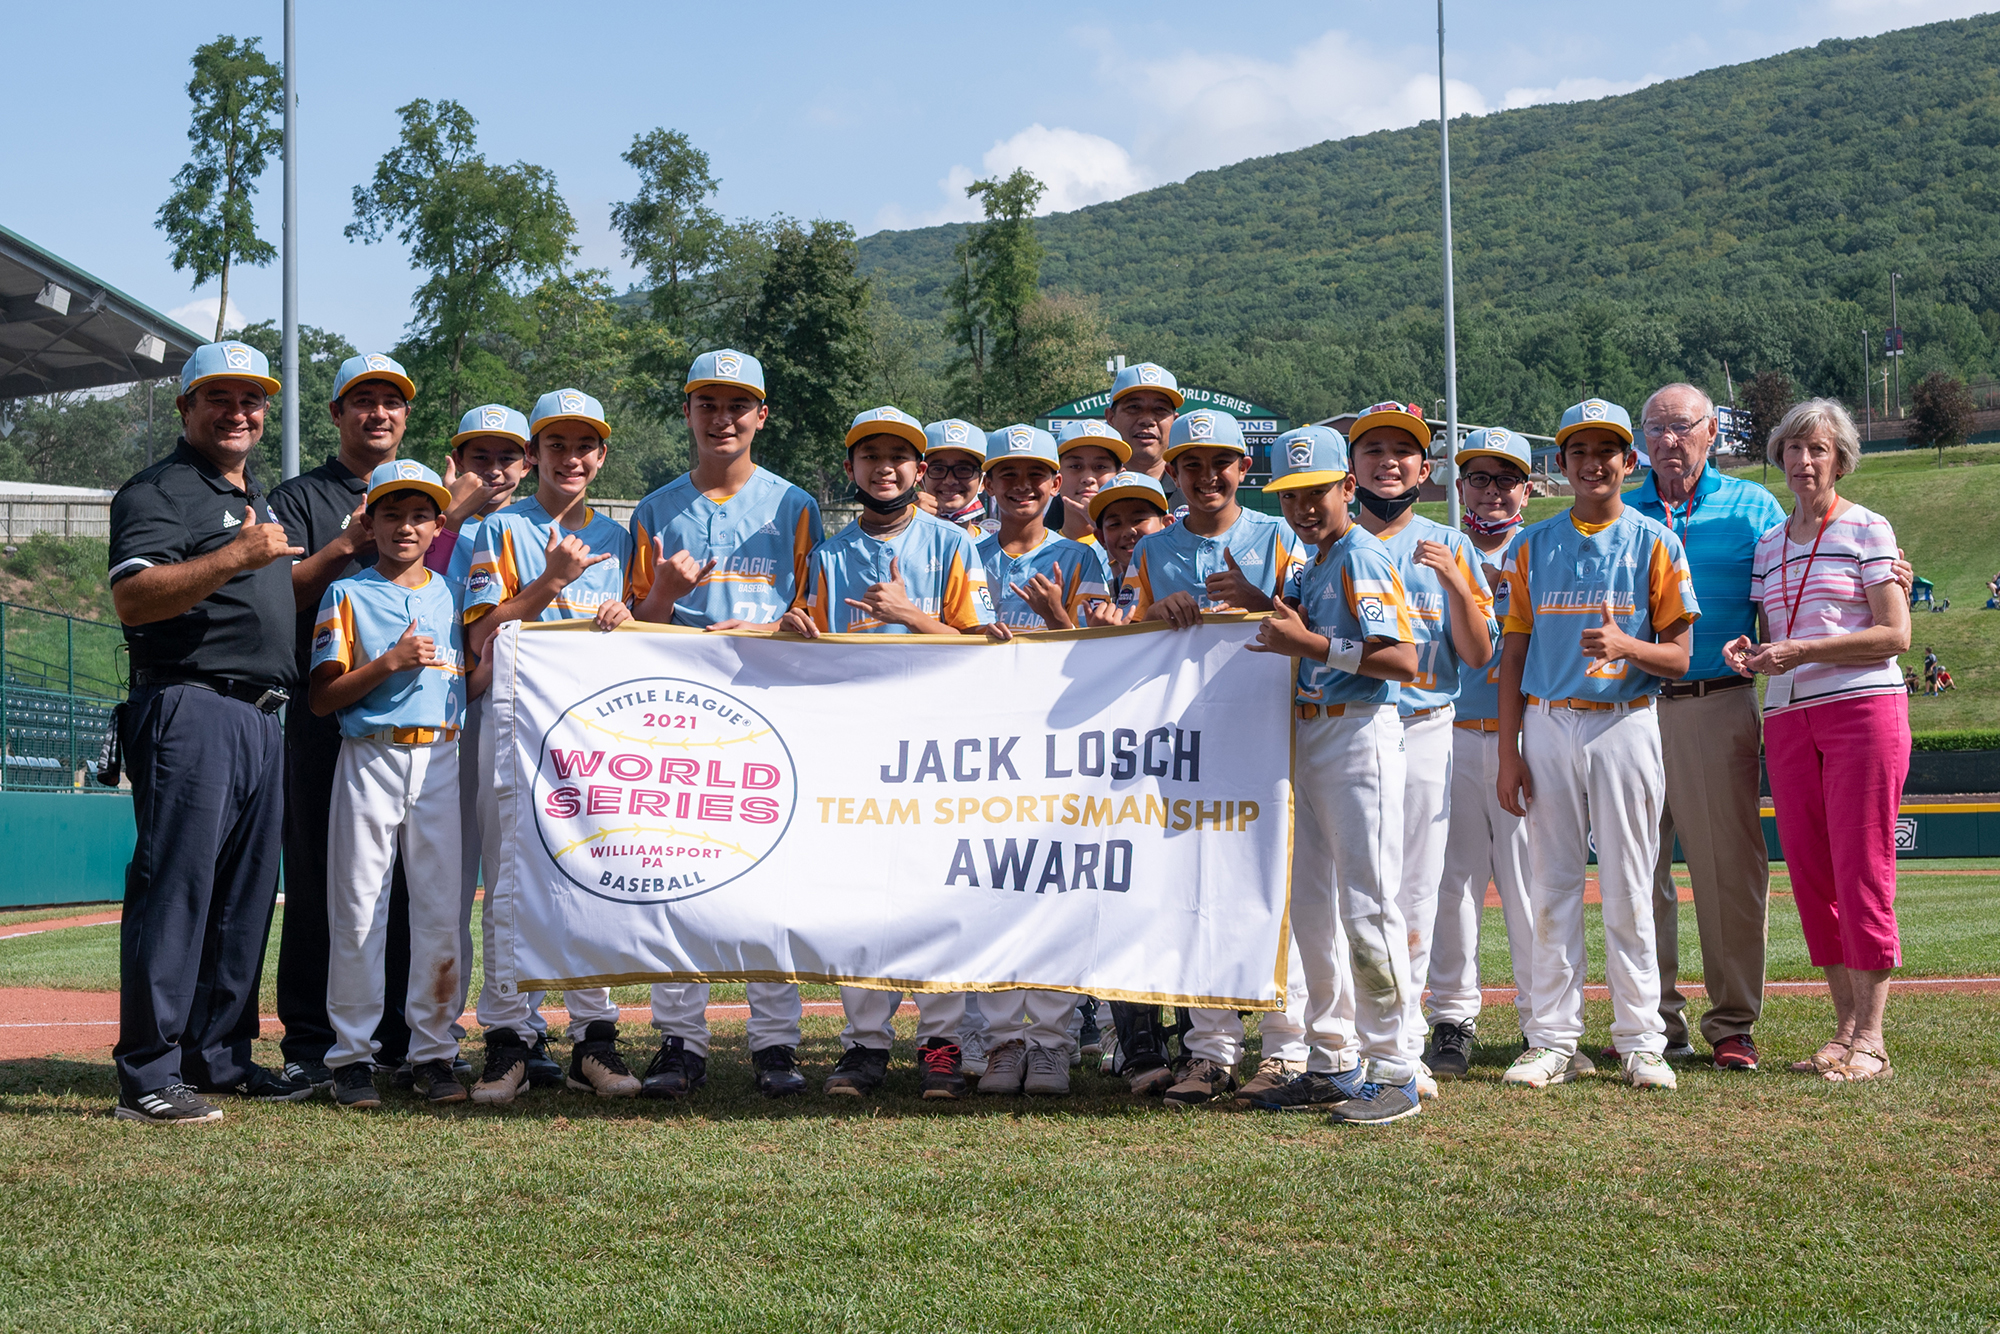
174,1105
1643,1070
438,1082
1150,1082
1538,1067
777,1072
1311,1090
940,1061
859,1072
260,1085
544,1070
596,1067
505,1073
674,1071
1202,1080
309,1072
971,1053
354,1086
1450,1054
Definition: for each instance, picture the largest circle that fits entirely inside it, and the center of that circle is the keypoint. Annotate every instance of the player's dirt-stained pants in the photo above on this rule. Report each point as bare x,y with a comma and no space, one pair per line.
1487,845
1040,1017
871,1016
1218,1034
680,1009
389,798
1596,774
1427,757
521,1011
471,847
1348,778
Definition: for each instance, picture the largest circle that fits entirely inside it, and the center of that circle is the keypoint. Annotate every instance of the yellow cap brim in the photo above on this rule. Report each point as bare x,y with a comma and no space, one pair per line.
1114,445
1402,421
749,389
1110,496
1566,432
264,382
1176,395
404,385
1299,481
603,428
431,489
464,436
901,430
1175,451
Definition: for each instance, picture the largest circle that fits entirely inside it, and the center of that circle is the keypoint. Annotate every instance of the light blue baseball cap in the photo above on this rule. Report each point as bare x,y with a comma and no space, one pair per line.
1496,442
1090,431
887,420
1128,486
955,433
1595,412
492,419
227,361
372,366
728,367
1023,442
569,405
407,475
1204,428
1146,375
1308,456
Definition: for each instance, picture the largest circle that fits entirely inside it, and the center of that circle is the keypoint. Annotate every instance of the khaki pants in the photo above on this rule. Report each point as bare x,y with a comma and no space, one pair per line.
1710,745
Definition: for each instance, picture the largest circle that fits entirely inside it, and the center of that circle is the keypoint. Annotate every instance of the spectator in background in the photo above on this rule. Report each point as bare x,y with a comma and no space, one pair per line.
1837,724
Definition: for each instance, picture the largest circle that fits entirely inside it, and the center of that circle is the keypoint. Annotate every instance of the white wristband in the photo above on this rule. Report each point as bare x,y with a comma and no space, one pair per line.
1344,655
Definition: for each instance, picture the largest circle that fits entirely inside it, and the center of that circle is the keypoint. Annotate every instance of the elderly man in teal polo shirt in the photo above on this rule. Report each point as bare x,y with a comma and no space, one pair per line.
1710,733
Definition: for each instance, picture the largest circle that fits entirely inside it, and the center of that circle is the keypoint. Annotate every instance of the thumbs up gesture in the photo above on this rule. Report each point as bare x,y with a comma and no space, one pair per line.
1231,588
1606,642
566,556
1285,631
411,652
258,544
889,600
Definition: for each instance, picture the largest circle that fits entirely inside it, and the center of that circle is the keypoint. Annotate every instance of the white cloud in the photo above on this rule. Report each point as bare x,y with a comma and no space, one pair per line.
199,315
1077,168
1577,90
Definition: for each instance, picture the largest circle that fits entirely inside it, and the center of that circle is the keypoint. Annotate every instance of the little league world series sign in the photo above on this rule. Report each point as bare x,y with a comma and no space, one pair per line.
1105,811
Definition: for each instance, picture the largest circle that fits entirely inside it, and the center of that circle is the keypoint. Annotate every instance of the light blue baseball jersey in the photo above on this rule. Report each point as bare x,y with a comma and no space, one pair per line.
1719,527
1080,571
1479,692
1179,560
512,554
1440,669
759,538
1351,592
361,617
1563,577
937,562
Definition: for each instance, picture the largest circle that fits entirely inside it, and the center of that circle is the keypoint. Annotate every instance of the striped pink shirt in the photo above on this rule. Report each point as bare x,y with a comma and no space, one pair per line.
1856,554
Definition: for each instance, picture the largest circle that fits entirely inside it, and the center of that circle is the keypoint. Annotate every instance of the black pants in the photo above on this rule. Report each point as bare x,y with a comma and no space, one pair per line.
208,797
312,749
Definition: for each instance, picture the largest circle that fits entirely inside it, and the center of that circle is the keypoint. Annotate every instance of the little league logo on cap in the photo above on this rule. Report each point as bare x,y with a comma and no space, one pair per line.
407,475
492,419
1309,456
957,433
1128,486
372,366
1300,453
227,361
1204,429
728,363
888,420
1497,442
236,356
569,405
1090,431
1020,440
1147,375
1201,427
1595,412
726,368
569,402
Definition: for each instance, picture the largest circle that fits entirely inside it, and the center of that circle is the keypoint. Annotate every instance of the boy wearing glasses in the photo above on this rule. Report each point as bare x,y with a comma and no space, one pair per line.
954,457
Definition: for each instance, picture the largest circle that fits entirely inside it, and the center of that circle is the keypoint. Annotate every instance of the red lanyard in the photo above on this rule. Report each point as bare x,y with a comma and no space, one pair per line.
1784,566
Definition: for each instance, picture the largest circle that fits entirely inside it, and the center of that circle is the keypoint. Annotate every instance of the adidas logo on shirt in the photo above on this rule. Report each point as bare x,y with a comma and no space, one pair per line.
770,529
229,520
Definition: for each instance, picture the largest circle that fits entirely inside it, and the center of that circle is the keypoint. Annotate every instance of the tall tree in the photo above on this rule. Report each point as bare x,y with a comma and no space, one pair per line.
668,229
481,232
996,275
1769,397
1059,354
1941,410
238,96
809,326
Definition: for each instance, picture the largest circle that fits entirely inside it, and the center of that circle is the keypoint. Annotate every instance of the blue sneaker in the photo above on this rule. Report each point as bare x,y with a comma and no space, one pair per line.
1379,1104
1309,1090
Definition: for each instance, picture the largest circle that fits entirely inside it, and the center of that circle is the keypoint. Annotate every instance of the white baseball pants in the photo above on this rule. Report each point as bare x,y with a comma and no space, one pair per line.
871,1016
1427,757
388,798
1348,778
1596,775
1030,1016
521,1011
1217,1035
680,1009
1487,845
471,850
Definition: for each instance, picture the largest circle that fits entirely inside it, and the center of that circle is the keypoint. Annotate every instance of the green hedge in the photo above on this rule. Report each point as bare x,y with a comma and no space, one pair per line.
1969,739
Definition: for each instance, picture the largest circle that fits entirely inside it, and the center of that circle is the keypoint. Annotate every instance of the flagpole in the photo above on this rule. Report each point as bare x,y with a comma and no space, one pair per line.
289,355
1450,469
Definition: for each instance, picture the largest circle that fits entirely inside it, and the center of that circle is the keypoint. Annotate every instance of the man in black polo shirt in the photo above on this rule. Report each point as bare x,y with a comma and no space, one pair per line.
202,582
320,509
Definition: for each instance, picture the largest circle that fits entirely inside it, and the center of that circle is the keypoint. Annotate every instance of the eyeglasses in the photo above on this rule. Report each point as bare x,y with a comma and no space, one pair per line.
1678,430
1479,481
964,472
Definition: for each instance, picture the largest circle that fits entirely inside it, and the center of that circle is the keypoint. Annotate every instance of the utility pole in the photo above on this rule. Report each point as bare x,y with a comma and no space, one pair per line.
1895,355
1867,390
289,356
1450,311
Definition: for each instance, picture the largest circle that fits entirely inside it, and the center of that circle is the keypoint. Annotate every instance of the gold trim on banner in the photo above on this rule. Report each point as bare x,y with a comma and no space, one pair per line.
894,641
899,984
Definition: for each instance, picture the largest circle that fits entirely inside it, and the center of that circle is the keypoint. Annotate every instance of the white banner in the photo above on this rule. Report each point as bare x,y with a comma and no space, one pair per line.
1105,811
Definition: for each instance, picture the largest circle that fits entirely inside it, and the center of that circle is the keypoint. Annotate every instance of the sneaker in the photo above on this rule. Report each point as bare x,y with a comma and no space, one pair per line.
438,1082
402,1076
1427,1087
1089,1038
860,1072
1450,1054
506,1070
1643,1070
595,1066
174,1105
260,1085
942,1078
1538,1067
1679,1051
1581,1065
1048,1071
354,1085
1378,1104
1312,1089
1150,1082
777,1072
309,1072
1272,1073
544,1070
972,1054
675,1072
1202,1080
1736,1052
1006,1068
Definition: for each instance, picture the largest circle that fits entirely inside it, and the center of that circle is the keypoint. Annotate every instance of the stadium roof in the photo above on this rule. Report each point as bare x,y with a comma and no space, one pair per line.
62,329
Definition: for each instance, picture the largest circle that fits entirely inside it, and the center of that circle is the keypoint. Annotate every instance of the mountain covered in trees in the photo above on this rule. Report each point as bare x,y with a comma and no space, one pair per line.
1748,215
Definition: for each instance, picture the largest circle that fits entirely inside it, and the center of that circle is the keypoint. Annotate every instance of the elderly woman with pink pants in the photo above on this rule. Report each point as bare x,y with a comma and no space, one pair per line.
1836,724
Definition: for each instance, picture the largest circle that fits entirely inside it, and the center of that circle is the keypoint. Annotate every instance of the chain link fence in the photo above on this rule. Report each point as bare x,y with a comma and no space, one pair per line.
60,677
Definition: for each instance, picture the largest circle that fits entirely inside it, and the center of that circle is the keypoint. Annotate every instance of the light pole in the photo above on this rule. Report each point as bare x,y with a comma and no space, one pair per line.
289,355
1895,357
1450,312
1867,390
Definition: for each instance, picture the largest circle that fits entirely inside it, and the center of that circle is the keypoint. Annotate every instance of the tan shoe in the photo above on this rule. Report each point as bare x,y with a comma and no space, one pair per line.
1202,1080
1271,1073
506,1071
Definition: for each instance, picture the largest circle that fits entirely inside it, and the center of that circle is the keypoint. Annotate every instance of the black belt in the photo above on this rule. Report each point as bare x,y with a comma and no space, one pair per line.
1696,689
267,698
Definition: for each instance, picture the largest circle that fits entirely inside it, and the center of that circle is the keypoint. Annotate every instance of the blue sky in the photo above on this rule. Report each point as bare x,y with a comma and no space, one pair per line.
877,114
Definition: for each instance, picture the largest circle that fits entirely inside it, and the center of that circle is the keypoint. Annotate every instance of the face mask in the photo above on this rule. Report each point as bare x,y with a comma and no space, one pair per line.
1386,510
893,505
1484,528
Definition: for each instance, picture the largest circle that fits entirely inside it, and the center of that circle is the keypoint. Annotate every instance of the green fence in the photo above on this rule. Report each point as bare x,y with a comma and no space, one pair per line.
60,677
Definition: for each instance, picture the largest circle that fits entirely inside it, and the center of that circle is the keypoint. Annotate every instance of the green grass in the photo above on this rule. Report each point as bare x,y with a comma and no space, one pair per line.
1767,1201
